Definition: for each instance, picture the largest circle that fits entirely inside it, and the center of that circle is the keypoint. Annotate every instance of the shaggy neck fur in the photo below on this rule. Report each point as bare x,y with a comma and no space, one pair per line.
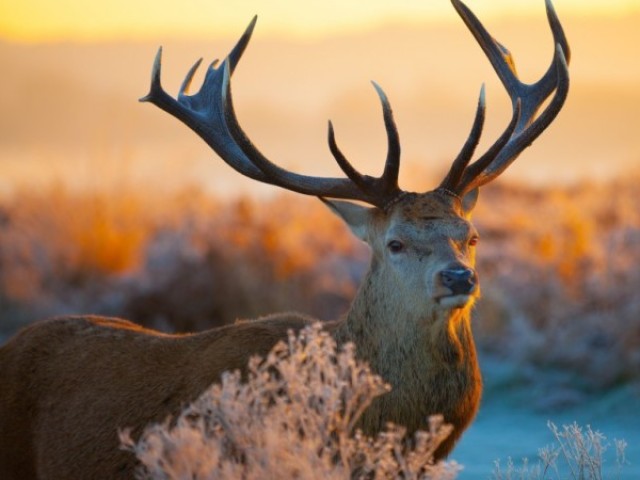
428,358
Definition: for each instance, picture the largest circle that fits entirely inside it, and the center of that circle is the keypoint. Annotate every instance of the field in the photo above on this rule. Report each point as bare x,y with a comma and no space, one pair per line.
557,267
109,207
558,326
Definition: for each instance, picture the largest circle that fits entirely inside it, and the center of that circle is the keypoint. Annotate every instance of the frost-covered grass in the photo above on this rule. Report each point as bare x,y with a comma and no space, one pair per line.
295,416
183,263
559,283
579,455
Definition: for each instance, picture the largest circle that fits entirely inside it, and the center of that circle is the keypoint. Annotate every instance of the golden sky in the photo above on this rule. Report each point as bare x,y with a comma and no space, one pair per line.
46,20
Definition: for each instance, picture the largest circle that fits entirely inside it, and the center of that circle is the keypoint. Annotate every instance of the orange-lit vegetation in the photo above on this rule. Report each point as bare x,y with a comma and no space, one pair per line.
558,267
185,262
560,285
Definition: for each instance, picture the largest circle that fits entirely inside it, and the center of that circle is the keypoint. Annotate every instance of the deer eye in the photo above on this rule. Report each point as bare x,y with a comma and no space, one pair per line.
395,246
473,241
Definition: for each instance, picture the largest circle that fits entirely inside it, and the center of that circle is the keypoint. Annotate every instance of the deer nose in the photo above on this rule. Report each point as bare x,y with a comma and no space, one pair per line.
460,280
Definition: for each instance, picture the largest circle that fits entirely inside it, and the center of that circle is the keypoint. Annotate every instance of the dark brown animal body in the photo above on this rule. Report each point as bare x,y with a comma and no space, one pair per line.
106,374
68,385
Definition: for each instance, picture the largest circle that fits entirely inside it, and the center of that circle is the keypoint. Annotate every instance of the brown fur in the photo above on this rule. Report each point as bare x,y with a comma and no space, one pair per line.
69,384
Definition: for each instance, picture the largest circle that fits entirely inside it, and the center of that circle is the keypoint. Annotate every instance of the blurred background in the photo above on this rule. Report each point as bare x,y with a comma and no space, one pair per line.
110,206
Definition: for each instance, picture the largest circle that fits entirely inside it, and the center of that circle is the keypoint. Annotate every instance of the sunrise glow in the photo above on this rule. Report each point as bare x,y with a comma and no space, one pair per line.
44,20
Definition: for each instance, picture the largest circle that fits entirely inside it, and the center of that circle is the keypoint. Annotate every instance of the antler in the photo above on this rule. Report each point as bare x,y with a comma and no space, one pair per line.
210,113
526,99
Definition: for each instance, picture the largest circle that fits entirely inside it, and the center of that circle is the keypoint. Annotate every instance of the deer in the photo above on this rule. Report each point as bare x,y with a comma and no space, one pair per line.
69,384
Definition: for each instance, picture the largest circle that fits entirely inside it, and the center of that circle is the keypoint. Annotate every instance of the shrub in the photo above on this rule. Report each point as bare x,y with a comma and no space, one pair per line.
295,416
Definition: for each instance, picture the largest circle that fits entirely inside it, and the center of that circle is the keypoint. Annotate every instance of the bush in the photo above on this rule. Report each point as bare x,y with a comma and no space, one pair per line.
295,417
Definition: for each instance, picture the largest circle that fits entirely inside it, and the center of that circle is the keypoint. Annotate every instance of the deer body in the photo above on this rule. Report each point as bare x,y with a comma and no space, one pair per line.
106,374
68,385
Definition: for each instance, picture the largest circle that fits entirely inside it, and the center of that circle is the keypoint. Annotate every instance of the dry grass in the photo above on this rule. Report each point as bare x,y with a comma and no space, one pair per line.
578,455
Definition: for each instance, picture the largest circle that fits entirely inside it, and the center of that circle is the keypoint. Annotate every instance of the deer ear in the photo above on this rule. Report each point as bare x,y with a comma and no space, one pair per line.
469,201
354,215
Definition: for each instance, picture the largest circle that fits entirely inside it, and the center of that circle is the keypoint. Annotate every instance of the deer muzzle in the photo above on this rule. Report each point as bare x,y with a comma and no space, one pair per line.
459,280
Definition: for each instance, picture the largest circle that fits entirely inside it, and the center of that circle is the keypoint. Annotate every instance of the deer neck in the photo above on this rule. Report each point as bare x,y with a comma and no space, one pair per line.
429,359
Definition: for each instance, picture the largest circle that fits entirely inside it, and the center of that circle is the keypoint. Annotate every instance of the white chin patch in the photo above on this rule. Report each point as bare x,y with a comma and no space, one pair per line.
455,301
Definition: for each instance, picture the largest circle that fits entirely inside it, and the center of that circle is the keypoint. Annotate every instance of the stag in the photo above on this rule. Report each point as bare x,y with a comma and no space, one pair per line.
69,384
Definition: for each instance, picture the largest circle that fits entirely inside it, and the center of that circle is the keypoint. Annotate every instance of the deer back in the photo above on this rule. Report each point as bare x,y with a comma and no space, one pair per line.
70,384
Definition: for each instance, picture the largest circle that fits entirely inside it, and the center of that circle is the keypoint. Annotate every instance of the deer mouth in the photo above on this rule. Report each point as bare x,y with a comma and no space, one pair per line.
456,301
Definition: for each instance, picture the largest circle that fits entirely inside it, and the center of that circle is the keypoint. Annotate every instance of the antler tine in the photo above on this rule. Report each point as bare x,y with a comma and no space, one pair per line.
274,174
342,161
473,171
210,113
239,48
387,184
155,89
559,39
526,99
498,55
186,83
391,171
376,191
459,165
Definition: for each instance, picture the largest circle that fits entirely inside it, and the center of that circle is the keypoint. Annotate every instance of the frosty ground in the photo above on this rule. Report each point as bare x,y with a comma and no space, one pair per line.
512,422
